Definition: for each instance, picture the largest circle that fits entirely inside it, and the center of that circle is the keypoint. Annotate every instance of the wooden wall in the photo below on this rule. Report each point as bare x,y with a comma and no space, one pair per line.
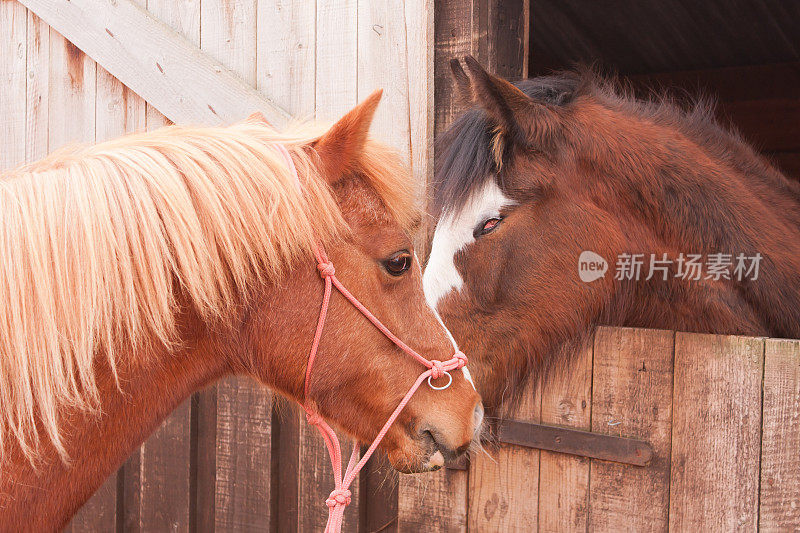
231,457
720,412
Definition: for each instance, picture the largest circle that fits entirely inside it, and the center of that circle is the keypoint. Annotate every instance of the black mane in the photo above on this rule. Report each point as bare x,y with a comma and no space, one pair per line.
464,160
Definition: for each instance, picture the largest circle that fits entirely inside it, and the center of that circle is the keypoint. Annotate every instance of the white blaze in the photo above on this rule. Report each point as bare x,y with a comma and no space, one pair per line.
453,232
467,375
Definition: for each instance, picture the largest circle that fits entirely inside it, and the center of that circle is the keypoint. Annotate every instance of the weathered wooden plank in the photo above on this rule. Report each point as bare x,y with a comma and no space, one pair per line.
779,502
228,35
38,89
336,53
452,39
13,56
420,37
286,420
99,513
119,110
564,479
382,41
507,37
165,480
716,433
71,100
243,456
632,397
496,482
204,471
436,501
378,504
155,62
286,55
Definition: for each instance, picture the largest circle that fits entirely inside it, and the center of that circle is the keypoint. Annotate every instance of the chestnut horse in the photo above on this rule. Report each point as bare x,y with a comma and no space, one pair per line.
137,271
541,171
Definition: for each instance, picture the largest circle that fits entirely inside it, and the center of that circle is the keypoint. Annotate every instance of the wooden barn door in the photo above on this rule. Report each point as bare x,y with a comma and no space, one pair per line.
233,457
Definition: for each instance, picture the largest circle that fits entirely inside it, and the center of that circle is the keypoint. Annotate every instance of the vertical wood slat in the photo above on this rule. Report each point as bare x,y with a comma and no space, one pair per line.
382,41
452,39
716,433
779,504
632,397
496,482
13,85
435,501
286,55
71,100
419,46
38,88
508,34
564,479
496,33
243,457
336,53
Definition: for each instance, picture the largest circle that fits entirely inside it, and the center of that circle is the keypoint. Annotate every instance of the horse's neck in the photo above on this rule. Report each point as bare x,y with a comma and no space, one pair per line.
755,214
694,306
42,499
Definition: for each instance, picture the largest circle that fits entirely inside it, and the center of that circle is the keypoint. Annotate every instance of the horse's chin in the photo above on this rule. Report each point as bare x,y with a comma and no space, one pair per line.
416,463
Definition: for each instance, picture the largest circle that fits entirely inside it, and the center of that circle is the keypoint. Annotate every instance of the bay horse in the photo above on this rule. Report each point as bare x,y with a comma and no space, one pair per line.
137,271
541,171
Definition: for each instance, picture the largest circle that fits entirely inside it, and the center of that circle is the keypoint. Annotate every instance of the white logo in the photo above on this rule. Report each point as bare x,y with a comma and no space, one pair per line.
591,266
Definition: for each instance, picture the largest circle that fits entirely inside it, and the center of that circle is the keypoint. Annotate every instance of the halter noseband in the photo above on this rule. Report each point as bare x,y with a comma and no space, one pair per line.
339,498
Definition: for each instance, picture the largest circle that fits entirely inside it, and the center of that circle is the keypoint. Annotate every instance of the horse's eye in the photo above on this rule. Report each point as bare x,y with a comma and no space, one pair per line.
397,264
487,227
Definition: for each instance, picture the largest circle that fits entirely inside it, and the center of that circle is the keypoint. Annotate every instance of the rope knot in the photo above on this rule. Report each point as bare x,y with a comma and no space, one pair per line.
461,359
437,369
313,418
326,270
338,497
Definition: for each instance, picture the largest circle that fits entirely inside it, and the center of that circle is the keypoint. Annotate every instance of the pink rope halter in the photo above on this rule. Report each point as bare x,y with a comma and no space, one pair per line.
339,498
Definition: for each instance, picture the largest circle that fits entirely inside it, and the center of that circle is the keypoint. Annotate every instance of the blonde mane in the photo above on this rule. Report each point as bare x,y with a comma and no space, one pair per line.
96,243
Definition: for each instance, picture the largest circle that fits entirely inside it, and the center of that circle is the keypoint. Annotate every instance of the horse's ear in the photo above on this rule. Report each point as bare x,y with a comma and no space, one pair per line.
340,147
463,84
518,117
257,118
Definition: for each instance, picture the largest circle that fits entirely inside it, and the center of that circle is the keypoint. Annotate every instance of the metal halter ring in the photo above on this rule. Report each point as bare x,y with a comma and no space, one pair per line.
449,382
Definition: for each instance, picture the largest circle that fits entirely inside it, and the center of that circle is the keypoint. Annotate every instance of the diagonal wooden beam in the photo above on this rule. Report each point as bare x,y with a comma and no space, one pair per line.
162,67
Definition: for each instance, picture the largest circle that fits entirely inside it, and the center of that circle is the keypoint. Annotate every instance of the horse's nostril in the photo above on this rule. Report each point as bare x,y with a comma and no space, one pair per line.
427,437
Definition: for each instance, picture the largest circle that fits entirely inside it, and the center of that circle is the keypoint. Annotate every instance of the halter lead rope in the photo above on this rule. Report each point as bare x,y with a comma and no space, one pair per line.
340,497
